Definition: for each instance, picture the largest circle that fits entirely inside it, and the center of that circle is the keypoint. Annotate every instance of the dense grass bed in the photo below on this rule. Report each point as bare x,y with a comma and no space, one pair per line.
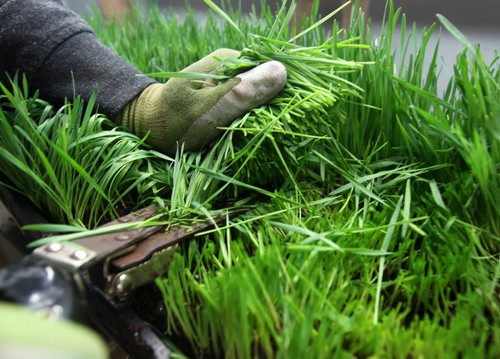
374,229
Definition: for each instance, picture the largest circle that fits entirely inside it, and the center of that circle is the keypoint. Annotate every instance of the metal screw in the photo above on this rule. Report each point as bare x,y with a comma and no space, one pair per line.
121,285
122,237
79,255
54,247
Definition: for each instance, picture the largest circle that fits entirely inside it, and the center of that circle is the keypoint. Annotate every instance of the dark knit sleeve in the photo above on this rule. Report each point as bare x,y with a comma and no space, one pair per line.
61,56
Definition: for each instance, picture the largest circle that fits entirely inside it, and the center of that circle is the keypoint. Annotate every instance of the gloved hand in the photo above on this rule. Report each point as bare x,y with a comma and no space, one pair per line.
189,112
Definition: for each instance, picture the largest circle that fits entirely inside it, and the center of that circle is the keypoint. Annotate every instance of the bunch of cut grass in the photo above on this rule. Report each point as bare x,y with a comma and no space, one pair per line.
379,233
73,164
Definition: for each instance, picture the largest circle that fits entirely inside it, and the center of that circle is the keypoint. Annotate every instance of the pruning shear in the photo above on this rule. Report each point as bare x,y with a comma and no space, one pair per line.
97,277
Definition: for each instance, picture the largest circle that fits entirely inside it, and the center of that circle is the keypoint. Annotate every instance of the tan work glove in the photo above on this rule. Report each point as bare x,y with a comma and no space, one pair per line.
189,112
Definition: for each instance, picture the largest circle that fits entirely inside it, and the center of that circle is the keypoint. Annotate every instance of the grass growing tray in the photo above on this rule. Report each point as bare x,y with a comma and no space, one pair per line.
376,232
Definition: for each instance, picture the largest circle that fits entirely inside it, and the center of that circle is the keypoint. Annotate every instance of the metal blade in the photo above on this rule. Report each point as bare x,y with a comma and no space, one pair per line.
84,251
161,240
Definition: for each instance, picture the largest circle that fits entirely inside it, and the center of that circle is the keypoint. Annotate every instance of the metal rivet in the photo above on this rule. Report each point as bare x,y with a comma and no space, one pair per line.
79,255
124,219
122,285
54,247
122,237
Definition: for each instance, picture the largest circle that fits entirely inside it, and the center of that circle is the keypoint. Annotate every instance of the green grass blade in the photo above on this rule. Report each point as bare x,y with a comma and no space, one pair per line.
222,14
320,22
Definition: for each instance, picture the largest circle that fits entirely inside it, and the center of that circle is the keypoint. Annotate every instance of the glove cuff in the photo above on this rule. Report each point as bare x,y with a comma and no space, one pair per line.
137,114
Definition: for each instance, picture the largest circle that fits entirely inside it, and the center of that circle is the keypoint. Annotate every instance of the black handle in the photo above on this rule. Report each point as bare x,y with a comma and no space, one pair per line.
34,283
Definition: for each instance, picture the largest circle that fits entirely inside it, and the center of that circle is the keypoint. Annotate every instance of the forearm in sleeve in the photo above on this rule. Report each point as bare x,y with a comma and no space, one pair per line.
61,56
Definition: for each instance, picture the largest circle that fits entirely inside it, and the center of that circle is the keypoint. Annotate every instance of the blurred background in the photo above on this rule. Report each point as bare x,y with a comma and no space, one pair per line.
478,20
481,14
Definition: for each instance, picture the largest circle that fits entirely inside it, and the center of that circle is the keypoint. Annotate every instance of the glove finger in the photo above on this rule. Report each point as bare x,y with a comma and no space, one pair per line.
256,87
209,62
206,65
186,107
